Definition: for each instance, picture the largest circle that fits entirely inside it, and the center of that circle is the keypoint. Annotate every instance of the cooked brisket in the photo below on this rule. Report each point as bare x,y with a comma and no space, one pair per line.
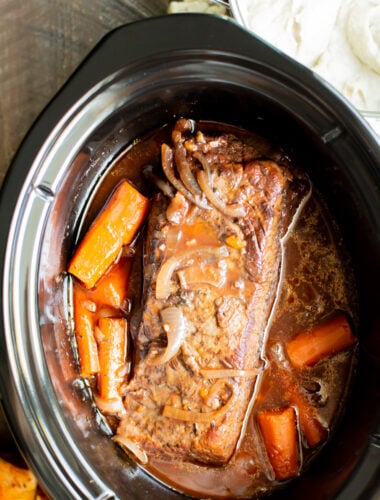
193,375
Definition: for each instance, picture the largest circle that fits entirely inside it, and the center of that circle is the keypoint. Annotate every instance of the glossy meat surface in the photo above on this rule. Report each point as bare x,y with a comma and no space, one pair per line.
211,271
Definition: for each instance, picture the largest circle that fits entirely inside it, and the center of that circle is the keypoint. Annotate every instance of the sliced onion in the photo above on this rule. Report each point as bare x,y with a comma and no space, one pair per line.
173,237
226,373
168,168
181,259
131,447
173,322
203,161
197,417
184,170
200,276
233,210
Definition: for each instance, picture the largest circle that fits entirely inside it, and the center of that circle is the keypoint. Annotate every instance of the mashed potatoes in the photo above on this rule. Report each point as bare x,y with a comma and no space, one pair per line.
338,39
195,6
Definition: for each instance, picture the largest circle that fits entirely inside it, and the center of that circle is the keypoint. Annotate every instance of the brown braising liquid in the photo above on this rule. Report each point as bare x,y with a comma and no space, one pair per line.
316,282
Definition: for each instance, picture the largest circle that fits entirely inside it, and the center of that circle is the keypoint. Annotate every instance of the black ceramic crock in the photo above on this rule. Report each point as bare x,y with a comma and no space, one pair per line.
139,77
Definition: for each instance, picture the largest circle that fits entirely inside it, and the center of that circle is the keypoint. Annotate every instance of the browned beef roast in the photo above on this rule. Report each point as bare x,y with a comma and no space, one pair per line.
212,268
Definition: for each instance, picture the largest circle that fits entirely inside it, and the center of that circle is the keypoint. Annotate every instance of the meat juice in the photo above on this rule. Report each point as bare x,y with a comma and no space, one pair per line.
315,282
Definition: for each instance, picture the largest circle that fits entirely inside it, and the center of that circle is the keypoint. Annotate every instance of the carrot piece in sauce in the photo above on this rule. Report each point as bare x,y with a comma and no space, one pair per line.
111,335
310,425
279,431
112,288
326,339
89,305
84,332
115,226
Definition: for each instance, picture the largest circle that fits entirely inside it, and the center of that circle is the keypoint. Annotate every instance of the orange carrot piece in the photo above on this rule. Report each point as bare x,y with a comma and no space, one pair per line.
310,424
111,290
115,226
111,335
279,431
84,332
326,339
308,416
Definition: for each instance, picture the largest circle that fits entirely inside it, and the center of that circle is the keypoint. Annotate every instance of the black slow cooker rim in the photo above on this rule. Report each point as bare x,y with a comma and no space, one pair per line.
89,75
218,35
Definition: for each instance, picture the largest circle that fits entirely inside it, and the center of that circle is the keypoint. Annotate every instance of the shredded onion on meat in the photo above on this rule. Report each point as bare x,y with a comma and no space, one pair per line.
184,170
173,323
200,276
197,417
203,161
226,373
130,447
232,210
167,166
182,259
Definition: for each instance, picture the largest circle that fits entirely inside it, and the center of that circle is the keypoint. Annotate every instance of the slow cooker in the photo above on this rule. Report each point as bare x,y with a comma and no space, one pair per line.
139,77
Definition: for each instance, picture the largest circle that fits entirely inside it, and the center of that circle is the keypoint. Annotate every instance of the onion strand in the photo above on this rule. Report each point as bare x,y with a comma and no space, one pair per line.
183,259
167,166
197,417
184,170
131,447
173,323
226,373
232,210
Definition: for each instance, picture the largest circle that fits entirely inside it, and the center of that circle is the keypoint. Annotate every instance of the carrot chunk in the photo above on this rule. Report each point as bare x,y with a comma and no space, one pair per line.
326,339
84,332
112,288
115,226
279,431
310,424
89,305
111,335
